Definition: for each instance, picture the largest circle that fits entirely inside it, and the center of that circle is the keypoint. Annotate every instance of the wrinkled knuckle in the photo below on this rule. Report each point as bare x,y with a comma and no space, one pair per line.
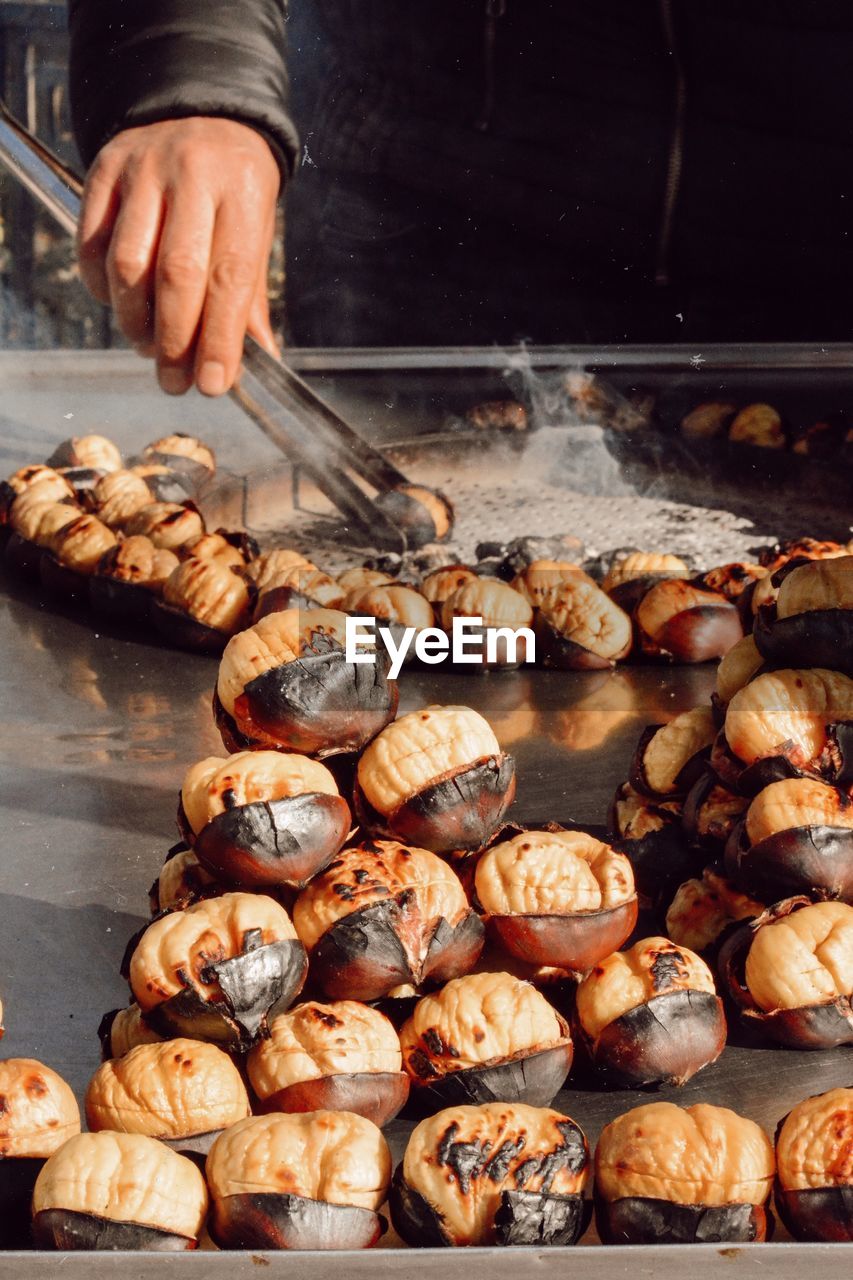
127,265
178,269
233,272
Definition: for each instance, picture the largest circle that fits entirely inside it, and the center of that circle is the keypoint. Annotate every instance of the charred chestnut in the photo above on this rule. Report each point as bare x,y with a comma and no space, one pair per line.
670,757
540,578
800,549
218,970
651,1015
736,669
262,817
485,1037
183,453
631,576
343,1056
787,724
54,487
578,627
711,812
702,910
436,777
114,1191
797,837
686,623
39,1114
811,621
285,683
682,1175
360,578
385,915
264,569
311,1181
501,1173
736,581
441,584
73,553
557,898
35,520
129,576
424,515
394,605
175,1090
814,1175
86,451
790,973
182,880
204,603
651,836
708,420
119,495
759,425
497,606
121,1030
164,484
300,586
170,525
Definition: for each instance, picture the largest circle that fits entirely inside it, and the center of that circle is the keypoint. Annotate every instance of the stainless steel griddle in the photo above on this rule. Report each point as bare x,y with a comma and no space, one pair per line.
97,728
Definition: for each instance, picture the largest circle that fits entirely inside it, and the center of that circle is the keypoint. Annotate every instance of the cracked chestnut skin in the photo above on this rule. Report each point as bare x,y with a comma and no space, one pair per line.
810,623
650,1015
500,1173
385,915
814,1172
789,973
436,777
703,910
580,628
651,836
670,757
681,622
671,1175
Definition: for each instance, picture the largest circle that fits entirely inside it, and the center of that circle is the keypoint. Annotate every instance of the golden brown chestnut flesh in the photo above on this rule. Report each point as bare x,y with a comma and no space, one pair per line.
298,586
54,487
423,515
742,662
170,525
341,1056
814,1173
285,683
439,585
682,1175
650,1015
811,621
34,521
128,576
121,1030
263,818
218,970
711,812
703,910
503,612
73,553
631,576
797,837
117,1191
800,549
759,425
86,451
436,777
184,454
790,973
496,1174
555,897
182,880
681,622
485,1037
538,579
39,1113
312,1181
181,1091
670,757
204,603
790,723
118,496
651,836
579,628
385,915
394,606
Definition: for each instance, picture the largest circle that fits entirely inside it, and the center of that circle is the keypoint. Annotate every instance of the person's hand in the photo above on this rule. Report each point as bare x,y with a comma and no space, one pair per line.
175,233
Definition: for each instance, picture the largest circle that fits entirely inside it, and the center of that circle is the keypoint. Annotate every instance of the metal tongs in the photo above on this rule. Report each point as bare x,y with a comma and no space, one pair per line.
310,432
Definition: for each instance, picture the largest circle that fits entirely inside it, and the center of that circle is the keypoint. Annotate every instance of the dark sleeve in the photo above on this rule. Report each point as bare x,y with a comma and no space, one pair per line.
137,61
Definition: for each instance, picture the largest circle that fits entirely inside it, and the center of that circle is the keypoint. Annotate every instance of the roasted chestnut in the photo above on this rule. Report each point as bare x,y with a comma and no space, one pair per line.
485,1037
164,484
670,757
300,586
630,576
502,613
790,972
86,451
264,569
497,415
424,515
285,683
787,724
797,837
183,453
436,777
736,669
310,1181
651,836
392,604
343,1056
39,1113
578,627
361,577
204,603
811,621
119,495
54,487
175,1090
263,817
218,970
121,1030
702,910
385,915
759,425
711,812
118,1191
168,524
686,623
182,880
682,1175
736,581
800,549
814,1173
651,1015
558,898
539,578
708,420
73,553
35,520
128,576
501,1173
441,584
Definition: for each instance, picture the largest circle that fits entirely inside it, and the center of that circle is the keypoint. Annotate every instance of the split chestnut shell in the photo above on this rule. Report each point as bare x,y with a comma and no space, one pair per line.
810,624
814,1175
686,623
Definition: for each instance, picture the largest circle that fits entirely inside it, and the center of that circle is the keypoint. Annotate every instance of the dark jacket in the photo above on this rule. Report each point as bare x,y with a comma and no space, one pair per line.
581,123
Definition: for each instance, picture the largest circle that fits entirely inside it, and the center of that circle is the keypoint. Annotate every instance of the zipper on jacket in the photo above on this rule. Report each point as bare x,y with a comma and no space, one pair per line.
676,148
495,10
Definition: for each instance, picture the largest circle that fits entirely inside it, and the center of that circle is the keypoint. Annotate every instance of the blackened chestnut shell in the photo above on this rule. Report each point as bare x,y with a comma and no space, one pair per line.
522,1218
534,1077
271,842
362,958
460,811
269,1220
185,631
21,556
116,599
691,814
574,942
700,634
818,1213
558,653
413,518
376,1095
645,1220
835,764
664,1041
815,860
17,1178
66,1229
690,771
61,581
817,638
